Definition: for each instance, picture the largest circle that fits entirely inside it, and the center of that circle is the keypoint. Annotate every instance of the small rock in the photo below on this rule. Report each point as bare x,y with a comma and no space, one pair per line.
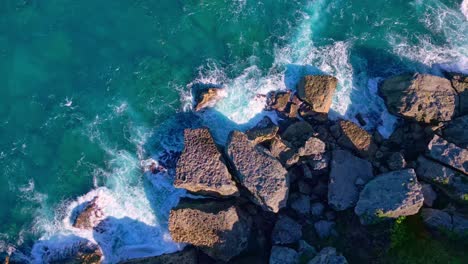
306,251
298,133
263,131
396,161
286,231
304,187
300,203
278,100
316,209
313,146
317,91
328,255
448,153
90,215
324,229
429,195
283,255
208,97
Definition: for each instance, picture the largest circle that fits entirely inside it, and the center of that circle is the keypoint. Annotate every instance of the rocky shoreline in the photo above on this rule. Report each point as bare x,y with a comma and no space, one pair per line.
285,192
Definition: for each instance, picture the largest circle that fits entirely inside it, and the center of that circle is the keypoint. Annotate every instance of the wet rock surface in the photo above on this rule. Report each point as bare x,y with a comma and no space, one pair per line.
317,91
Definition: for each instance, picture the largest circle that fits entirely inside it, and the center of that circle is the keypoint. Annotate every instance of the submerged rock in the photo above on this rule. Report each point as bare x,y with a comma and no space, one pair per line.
451,182
348,175
328,255
259,172
283,255
390,195
201,167
186,256
421,97
448,153
317,91
265,130
355,138
286,231
456,131
208,97
218,229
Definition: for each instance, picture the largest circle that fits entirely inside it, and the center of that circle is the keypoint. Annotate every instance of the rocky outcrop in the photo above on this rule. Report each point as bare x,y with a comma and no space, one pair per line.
356,139
451,182
390,195
420,97
456,131
207,97
448,153
460,84
283,255
347,177
444,222
201,167
286,231
265,130
259,172
82,252
186,256
317,91
218,229
328,255
90,215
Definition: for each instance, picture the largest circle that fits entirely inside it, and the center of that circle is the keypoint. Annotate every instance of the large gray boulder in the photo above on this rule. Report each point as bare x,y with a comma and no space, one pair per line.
286,231
317,91
348,175
219,229
328,255
186,256
201,167
390,195
451,182
456,131
448,153
283,255
421,97
259,172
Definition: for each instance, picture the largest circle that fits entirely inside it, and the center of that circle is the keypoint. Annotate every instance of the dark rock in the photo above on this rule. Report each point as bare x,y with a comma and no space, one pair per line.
316,209
452,183
328,255
186,256
286,231
306,251
355,138
259,172
218,229
208,97
278,100
448,153
298,133
420,97
460,84
84,252
445,223
325,229
429,195
201,167
283,255
300,203
396,161
456,131
317,91
265,130
390,195
348,174
284,152
304,187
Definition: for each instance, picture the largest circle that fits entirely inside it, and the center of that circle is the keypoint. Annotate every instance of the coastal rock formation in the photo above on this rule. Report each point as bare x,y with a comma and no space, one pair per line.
208,97
348,174
448,153
355,138
317,91
444,222
390,195
286,231
89,216
298,133
263,131
456,131
278,100
460,84
451,182
283,255
259,172
421,97
312,147
82,251
186,256
328,255
218,229
201,167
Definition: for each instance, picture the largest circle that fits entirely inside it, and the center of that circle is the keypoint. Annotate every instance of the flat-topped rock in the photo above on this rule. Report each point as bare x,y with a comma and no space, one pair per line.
259,172
317,91
218,229
421,97
355,138
451,182
390,195
186,256
448,153
456,131
348,175
201,167
265,130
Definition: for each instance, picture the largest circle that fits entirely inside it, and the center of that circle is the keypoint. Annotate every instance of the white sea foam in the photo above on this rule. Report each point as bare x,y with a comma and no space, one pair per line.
464,8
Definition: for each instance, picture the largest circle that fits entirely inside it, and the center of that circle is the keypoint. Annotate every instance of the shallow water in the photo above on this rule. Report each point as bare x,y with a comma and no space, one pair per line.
90,88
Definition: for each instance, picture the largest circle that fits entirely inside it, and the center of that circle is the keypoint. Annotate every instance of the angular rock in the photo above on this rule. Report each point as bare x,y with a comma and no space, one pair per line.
396,161
355,138
300,203
186,256
201,167
317,91
328,255
456,131
451,182
306,251
390,195
446,223
286,231
460,84
316,209
312,147
265,130
284,152
348,174
90,215
208,97
298,133
324,228
283,255
278,100
421,97
218,229
259,172
448,153
429,195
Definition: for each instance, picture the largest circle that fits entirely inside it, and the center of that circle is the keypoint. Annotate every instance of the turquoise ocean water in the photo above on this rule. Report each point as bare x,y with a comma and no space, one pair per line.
90,88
